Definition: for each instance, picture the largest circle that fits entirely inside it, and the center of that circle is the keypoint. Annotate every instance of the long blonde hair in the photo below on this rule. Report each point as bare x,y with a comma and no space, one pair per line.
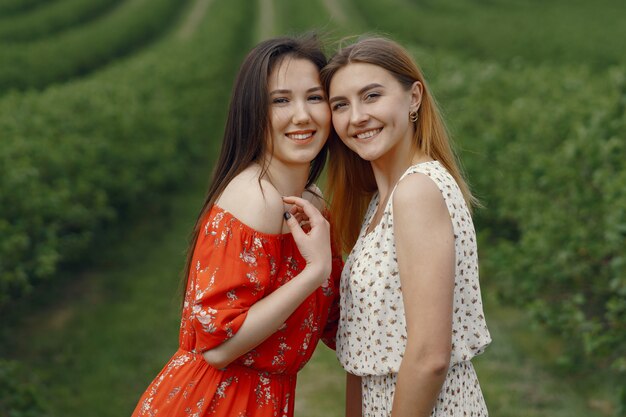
351,182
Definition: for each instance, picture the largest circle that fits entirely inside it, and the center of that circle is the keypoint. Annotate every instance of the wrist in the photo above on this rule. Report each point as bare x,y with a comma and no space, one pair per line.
318,273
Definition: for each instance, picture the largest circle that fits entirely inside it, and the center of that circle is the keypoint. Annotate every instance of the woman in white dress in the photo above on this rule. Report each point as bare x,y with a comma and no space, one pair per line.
411,309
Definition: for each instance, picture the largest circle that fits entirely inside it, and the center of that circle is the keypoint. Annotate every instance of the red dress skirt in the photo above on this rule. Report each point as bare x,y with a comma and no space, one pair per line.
233,267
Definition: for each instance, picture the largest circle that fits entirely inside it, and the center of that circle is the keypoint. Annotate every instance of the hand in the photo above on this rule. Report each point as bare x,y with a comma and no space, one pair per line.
299,214
314,245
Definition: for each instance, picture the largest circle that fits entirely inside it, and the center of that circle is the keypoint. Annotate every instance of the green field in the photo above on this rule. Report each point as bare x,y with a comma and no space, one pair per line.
111,114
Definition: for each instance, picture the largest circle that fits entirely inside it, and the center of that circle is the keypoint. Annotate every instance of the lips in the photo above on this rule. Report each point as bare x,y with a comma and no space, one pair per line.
366,134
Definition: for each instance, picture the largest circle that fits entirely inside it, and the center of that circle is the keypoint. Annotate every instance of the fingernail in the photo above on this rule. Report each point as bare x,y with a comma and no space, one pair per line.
287,215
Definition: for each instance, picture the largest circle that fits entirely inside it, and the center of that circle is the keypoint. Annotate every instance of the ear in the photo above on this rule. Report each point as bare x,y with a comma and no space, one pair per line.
416,95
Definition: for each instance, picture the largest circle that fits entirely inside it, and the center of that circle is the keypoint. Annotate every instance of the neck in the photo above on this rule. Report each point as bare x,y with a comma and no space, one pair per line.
389,168
287,179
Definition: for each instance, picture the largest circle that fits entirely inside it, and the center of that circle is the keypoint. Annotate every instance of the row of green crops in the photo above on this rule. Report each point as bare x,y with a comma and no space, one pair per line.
52,18
75,157
556,31
545,150
76,52
14,7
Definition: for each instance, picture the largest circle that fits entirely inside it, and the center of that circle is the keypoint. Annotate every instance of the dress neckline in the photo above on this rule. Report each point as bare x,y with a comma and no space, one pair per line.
248,228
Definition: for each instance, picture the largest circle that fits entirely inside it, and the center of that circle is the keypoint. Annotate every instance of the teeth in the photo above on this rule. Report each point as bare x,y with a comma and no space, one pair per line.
368,134
300,136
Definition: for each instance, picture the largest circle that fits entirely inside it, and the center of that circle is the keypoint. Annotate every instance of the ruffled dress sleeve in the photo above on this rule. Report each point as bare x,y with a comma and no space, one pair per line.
232,269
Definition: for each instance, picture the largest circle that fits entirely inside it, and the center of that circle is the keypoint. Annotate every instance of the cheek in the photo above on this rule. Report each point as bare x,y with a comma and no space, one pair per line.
279,119
350,144
340,124
321,116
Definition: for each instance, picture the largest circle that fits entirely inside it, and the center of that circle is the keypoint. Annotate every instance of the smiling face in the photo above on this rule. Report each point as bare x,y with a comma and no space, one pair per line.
370,111
299,113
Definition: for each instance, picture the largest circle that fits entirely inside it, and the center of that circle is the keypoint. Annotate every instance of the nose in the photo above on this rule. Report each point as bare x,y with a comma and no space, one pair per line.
357,115
301,114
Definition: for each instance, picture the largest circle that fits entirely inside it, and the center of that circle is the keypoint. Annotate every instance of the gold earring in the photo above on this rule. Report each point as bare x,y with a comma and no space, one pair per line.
413,116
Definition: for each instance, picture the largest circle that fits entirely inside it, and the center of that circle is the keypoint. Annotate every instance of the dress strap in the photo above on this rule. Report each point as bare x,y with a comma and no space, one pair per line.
413,169
388,209
410,170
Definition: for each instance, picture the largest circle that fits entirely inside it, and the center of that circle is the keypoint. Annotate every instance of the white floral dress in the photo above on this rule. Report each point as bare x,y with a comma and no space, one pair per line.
372,335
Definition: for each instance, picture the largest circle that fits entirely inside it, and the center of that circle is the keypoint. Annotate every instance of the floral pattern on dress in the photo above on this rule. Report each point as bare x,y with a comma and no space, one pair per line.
234,267
372,330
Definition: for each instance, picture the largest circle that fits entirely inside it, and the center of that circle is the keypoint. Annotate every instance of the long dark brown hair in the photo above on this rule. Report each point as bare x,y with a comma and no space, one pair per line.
245,134
351,181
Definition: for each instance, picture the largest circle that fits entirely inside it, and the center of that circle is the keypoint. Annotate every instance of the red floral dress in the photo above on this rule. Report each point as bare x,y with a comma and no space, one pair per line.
233,267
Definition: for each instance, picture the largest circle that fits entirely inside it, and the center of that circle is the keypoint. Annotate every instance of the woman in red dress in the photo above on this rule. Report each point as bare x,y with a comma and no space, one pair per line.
260,290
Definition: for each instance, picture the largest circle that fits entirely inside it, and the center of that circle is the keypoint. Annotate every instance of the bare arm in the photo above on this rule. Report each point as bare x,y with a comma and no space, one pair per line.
354,401
426,258
269,313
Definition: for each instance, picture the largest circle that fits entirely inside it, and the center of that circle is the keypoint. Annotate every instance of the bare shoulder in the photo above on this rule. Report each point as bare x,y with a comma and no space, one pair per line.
423,229
314,195
255,203
419,193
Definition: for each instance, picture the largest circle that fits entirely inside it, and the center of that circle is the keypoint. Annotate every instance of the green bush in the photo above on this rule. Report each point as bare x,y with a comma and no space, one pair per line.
501,30
13,7
77,52
19,395
545,150
51,18
78,157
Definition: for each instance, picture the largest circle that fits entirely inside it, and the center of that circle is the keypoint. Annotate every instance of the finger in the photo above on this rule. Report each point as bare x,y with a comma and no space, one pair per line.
314,215
301,218
293,209
299,214
294,226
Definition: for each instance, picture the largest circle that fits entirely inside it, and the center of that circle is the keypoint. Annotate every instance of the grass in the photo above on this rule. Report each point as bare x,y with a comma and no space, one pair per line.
95,343
321,386
517,375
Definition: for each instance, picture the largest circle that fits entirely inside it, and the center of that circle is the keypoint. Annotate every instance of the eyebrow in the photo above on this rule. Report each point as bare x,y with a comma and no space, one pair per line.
310,90
361,91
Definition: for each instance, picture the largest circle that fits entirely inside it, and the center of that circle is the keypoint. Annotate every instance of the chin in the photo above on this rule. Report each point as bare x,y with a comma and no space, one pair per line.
302,159
306,156
368,156
363,150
